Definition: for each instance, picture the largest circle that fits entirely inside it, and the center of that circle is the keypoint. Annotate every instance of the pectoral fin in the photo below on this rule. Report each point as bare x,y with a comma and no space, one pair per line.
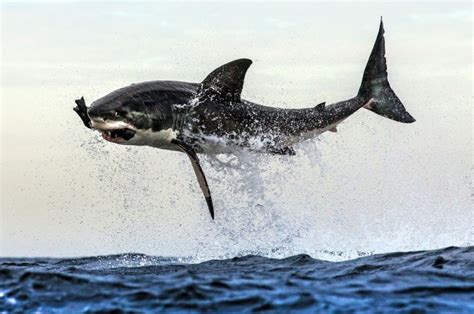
199,173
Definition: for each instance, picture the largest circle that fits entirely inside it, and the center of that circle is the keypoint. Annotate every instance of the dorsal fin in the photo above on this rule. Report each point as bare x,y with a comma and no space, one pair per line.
320,106
226,81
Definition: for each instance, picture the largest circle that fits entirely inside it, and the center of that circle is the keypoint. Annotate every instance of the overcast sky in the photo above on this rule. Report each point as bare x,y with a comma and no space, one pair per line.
375,186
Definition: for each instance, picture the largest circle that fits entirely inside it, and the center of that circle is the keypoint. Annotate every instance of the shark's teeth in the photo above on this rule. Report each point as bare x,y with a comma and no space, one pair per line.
106,133
119,134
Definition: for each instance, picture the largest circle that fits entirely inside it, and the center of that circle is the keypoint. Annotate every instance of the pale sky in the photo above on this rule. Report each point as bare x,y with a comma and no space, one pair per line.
375,186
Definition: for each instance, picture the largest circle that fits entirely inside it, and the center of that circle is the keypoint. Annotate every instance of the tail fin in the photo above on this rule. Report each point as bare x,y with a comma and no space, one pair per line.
375,88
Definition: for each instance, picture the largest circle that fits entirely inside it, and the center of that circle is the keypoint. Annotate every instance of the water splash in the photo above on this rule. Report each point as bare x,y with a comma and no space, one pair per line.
318,202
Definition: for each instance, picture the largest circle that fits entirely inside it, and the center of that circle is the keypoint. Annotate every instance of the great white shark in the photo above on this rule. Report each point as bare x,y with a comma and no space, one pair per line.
211,115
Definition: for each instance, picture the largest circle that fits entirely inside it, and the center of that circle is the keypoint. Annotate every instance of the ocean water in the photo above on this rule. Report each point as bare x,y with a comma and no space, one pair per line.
407,282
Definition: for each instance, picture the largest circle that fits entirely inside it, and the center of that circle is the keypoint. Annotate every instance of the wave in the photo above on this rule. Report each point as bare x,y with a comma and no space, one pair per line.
435,280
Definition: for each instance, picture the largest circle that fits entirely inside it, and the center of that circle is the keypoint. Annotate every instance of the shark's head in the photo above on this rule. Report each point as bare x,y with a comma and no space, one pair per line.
127,120
139,114
114,119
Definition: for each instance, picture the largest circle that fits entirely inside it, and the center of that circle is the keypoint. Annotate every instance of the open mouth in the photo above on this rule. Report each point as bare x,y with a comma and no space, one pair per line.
117,135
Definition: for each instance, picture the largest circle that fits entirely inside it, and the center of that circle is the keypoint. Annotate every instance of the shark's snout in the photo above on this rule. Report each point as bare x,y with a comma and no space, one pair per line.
113,131
98,110
105,124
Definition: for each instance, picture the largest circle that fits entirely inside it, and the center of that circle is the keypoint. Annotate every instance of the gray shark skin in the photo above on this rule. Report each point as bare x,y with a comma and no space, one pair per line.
211,116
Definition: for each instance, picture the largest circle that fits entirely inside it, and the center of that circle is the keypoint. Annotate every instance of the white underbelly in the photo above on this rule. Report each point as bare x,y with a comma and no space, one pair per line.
291,140
159,139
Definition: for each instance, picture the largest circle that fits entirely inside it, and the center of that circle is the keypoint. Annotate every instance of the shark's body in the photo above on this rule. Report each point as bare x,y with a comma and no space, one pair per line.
211,116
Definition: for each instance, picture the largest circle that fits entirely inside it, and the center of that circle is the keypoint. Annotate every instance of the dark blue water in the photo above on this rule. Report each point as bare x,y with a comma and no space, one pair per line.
417,282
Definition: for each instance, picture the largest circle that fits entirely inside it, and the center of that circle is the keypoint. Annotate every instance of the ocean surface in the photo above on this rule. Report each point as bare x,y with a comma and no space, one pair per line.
413,282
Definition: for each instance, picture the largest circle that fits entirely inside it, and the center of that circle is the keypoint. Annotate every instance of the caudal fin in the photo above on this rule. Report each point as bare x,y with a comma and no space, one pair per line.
376,90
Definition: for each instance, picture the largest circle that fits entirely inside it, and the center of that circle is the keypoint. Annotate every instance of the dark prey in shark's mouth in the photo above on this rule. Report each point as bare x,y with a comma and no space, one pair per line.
211,116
